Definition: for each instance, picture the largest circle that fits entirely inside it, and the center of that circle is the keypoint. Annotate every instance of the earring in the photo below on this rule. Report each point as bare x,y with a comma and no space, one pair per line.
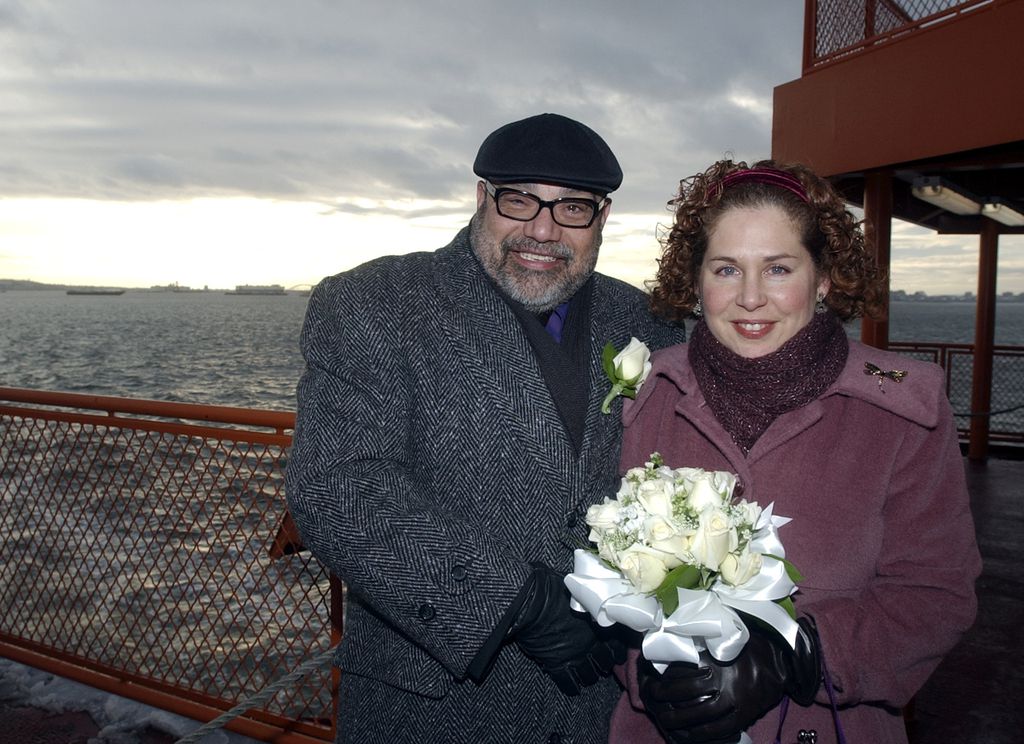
819,305
698,309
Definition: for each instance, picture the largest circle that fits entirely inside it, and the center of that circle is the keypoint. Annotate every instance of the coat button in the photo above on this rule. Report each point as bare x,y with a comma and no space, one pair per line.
570,521
459,572
555,738
426,612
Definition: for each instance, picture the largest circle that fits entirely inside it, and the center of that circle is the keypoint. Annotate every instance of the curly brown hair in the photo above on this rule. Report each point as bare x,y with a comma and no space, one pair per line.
831,234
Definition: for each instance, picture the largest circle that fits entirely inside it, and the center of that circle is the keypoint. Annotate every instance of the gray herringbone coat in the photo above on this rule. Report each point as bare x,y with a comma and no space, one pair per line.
429,467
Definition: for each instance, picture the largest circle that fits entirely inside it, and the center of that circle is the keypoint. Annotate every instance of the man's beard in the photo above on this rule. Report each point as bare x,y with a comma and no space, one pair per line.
537,291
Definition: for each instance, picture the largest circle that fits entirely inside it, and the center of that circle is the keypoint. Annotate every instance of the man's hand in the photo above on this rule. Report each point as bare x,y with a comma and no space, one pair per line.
567,645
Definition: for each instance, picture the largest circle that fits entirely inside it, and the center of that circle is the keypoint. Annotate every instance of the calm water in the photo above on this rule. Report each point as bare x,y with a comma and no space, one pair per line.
210,348
242,350
952,322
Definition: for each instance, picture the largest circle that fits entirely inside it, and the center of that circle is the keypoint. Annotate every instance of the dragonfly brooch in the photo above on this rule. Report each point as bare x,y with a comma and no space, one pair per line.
896,375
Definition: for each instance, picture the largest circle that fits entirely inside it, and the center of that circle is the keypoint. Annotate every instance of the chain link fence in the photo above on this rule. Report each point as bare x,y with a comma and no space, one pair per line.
160,551
845,26
1006,412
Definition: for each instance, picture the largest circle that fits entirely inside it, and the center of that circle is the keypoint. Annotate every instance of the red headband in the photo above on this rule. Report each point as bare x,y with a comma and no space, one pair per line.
771,176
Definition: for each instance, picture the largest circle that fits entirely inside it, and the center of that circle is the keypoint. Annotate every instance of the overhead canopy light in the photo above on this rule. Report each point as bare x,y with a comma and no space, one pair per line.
1002,211
941,193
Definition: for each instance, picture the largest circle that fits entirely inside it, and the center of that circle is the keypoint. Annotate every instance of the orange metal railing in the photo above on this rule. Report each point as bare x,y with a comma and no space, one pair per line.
148,552
1006,419
834,29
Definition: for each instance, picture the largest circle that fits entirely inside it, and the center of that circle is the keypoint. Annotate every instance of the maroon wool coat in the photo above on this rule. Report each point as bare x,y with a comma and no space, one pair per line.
882,531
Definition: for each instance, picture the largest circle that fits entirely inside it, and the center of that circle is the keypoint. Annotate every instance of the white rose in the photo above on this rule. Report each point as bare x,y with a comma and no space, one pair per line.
675,547
643,567
738,570
688,475
703,495
664,535
633,475
633,363
724,482
657,527
749,513
709,490
656,497
603,516
714,539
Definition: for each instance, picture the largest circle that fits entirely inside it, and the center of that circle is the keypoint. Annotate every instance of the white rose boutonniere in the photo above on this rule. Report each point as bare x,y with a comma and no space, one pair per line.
626,369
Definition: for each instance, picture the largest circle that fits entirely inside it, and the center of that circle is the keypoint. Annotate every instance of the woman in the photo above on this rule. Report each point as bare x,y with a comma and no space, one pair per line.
856,445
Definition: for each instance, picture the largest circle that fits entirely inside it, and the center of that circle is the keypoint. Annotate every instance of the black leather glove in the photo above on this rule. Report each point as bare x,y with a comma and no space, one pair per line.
574,651
715,703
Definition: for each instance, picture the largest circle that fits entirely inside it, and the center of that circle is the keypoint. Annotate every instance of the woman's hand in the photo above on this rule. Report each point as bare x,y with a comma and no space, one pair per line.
715,702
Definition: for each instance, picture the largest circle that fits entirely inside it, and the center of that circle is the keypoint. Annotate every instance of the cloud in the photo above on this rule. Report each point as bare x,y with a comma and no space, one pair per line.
315,100
318,113
948,264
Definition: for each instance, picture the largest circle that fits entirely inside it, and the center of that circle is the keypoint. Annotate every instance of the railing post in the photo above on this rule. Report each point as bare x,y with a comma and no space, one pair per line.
869,18
984,338
810,34
878,233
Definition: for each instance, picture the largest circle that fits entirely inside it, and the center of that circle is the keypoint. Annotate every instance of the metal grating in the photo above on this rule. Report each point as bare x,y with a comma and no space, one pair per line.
1006,419
154,550
845,26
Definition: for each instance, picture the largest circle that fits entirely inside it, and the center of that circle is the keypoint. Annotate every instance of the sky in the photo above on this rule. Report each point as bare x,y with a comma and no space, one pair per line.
145,142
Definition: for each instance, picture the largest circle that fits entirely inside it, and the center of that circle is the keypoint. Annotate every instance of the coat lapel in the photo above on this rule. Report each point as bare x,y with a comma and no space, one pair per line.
598,464
602,430
498,363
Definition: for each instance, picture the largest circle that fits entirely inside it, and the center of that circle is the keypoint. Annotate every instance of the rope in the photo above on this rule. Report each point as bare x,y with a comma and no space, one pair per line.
259,698
990,413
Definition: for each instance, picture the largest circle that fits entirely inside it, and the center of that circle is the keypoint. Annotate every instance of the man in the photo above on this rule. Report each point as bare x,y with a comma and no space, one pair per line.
449,441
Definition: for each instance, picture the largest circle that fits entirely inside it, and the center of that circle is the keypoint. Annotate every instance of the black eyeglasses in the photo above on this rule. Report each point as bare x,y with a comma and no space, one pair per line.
522,206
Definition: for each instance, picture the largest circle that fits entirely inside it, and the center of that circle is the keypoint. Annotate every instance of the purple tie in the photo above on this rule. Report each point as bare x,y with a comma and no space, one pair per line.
556,320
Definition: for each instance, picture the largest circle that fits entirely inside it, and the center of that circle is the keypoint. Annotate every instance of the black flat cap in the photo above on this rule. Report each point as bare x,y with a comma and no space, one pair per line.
549,148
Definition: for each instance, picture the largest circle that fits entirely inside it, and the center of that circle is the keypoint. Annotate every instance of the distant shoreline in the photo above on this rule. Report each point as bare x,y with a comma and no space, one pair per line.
21,285
897,295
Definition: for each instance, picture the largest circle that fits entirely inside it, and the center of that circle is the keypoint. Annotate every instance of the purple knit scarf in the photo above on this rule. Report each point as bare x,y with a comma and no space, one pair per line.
746,395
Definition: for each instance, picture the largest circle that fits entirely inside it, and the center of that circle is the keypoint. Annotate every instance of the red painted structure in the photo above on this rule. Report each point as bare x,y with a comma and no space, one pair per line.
897,90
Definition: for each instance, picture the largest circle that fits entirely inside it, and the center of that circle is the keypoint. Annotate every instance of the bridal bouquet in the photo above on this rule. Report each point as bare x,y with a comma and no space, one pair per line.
677,555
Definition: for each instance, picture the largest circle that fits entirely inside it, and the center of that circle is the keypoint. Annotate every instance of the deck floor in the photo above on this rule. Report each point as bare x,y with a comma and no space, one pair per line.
976,696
